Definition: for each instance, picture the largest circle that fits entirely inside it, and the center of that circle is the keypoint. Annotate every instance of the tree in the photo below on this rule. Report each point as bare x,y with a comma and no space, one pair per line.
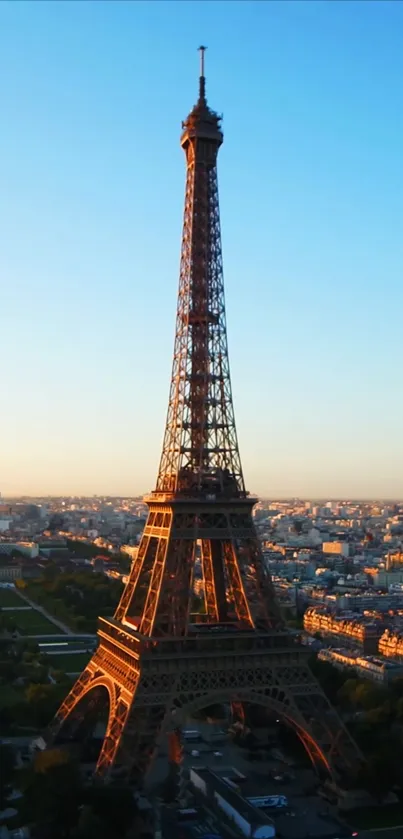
7,670
368,696
21,584
51,571
46,760
42,702
60,676
378,776
90,826
7,767
51,799
36,693
330,679
6,719
114,805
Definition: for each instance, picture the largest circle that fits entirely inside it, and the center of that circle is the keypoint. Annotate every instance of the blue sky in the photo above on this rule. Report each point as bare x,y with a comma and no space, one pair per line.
91,197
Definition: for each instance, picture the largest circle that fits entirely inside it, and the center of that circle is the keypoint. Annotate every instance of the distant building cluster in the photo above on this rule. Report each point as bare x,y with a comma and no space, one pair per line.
36,532
337,567
113,522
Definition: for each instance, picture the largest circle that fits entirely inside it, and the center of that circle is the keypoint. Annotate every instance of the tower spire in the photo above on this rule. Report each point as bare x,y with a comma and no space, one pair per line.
202,78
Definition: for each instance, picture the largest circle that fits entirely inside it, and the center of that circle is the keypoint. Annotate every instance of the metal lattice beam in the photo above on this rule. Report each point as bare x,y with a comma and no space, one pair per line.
200,441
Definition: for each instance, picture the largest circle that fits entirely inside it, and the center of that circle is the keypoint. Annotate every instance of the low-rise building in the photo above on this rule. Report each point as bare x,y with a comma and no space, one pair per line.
368,667
30,549
394,560
236,812
11,572
339,548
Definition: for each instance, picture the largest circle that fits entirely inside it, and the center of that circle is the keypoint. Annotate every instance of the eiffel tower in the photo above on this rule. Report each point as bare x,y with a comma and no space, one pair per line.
154,666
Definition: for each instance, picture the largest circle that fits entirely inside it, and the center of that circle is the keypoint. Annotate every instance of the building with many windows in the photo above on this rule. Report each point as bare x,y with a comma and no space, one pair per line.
368,667
391,644
8,573
349,629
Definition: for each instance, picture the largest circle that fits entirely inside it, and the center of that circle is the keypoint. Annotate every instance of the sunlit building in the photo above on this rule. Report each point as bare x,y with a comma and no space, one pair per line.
347,629
394,560
367,667
391,644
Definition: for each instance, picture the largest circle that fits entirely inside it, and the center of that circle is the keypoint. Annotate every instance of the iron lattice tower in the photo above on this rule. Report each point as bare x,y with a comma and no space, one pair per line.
153,664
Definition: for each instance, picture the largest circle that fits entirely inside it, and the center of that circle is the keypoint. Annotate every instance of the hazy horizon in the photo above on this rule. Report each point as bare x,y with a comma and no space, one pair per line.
260,498
311,196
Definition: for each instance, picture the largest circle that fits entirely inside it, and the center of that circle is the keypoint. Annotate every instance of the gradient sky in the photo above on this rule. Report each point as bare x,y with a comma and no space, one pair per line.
91,196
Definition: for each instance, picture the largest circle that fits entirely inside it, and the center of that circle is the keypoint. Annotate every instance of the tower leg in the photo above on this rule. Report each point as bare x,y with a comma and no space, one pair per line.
112,739
238,713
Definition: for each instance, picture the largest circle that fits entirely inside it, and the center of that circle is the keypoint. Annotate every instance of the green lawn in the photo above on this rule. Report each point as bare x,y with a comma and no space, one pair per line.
9,597
33,623
73,663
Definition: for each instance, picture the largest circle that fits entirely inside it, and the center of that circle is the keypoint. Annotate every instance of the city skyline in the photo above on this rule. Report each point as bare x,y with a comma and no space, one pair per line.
91,214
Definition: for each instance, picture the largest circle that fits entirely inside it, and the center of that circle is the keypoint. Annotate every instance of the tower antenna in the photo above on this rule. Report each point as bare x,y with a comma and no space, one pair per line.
202,79
202,50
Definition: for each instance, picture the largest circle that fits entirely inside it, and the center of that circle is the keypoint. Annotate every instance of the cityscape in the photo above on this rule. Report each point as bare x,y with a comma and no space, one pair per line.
200,661
337,570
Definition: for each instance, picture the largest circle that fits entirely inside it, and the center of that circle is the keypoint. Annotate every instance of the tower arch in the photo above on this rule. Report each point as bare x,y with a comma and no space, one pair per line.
283,708
91,696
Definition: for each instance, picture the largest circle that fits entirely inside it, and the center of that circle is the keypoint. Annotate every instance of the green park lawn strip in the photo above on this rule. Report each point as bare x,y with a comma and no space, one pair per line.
32,622
9,597
72,663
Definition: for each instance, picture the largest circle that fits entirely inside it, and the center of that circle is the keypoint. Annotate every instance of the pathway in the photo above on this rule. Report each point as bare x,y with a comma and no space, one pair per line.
72,636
